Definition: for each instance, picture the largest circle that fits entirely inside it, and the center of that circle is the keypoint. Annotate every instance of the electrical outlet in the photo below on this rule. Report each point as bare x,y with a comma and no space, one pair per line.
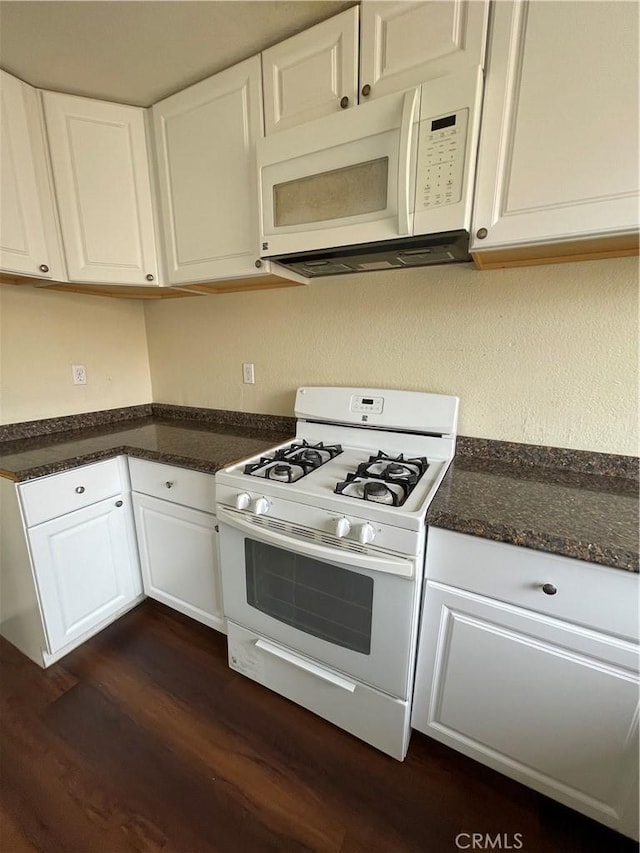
247,373
79,373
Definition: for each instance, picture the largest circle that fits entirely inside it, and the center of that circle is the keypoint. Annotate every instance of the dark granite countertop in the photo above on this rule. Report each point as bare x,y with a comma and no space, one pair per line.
586,516
533,499
201,446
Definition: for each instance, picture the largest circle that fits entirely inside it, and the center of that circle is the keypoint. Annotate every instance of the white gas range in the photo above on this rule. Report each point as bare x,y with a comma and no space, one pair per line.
322,554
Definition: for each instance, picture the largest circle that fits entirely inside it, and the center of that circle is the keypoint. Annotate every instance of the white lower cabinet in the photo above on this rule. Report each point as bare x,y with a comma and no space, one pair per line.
69,558
178,539
85,570
550,702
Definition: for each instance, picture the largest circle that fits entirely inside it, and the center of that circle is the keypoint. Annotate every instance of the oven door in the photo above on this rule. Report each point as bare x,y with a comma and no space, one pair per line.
353,612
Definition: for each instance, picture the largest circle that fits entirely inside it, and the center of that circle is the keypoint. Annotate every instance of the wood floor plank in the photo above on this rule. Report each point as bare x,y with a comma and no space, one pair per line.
144,740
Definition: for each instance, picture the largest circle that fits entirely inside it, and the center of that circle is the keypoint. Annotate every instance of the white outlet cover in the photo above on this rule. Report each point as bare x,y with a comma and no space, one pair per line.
79,373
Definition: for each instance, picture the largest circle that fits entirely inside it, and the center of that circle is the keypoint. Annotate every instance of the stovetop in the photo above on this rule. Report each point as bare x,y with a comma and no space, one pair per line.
320,488
384,478
360,457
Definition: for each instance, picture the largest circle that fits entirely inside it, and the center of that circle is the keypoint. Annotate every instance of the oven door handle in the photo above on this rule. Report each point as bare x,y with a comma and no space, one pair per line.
401,566
306,665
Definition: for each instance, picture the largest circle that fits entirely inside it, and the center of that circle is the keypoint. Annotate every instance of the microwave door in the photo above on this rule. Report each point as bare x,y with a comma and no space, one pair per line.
339,181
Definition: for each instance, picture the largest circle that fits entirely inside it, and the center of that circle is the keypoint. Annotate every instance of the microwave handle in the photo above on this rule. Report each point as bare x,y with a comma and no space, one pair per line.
404,160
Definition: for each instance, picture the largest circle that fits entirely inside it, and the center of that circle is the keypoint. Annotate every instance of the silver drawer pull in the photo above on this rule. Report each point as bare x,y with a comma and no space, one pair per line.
549,589
169,484
119,503
79,490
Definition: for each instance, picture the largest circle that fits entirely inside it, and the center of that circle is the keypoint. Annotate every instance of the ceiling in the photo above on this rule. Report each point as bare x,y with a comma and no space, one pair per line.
139,51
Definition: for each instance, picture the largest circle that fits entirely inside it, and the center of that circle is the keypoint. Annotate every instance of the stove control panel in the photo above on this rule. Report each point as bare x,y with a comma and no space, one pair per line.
370,405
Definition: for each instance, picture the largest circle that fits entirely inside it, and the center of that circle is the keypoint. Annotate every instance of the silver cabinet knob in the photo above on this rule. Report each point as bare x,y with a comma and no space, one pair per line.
549,589
79,490
366,89
43,268
169,484
149,277
344,102
258,264
481,233
119,503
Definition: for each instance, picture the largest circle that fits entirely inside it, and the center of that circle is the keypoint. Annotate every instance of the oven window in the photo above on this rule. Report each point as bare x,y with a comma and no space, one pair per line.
349,191
317,598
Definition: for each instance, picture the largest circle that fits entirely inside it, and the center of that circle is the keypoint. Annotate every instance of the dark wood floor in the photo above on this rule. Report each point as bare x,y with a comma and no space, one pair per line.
144,740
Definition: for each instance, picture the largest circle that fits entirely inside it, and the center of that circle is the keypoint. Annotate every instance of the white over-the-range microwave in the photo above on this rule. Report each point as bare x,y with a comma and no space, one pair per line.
382,185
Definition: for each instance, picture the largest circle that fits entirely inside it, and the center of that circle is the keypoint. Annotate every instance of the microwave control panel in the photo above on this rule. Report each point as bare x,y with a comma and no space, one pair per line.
441,153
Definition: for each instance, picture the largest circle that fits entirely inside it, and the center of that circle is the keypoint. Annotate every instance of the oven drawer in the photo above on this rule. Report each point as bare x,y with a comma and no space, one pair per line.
374,717
170,483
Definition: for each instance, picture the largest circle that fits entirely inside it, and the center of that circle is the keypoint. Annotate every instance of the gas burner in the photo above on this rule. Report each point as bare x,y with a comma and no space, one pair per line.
384,479
378,491
314,454
290,464
394,468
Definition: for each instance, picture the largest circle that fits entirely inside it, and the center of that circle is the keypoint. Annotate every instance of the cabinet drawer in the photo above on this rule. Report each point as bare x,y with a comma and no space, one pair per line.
178,485
598,597
58,494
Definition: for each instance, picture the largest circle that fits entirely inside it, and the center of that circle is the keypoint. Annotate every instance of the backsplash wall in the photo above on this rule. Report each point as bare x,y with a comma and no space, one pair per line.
43,333
542,355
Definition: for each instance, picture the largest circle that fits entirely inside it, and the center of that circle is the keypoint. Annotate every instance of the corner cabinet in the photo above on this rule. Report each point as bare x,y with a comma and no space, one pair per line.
558,157
394,45
205,139
528,663
28,236
178,539
100,166
71,563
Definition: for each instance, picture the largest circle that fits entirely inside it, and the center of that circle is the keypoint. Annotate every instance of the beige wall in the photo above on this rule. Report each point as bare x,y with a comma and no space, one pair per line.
43,333
543,355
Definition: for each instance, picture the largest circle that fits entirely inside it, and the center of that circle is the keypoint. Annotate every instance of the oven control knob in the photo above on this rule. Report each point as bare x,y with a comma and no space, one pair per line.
261,506
366,534
343,526
243,500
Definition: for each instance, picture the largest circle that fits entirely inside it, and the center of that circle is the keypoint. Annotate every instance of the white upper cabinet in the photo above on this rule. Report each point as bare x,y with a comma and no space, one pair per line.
558,157
403,44
399,45
101,172
312,74
205,140
28,238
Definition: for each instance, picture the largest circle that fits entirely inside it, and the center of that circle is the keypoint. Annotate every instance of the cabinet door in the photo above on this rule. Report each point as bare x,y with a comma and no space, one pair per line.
179,558
27,224
101,172
308,75
552,705
403,44
85,569
205,144
558,157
